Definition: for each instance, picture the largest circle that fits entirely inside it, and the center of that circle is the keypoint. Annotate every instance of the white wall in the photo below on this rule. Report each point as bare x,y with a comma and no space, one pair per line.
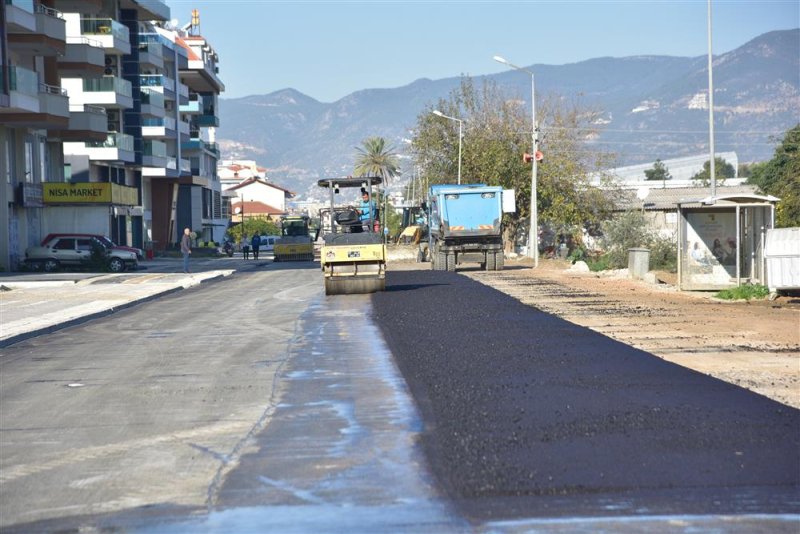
80,219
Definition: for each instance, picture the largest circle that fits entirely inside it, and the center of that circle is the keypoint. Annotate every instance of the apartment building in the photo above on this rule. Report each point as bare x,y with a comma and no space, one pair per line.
92,131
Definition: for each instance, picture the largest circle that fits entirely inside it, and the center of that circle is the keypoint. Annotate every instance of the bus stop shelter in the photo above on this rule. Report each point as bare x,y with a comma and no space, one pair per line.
721,240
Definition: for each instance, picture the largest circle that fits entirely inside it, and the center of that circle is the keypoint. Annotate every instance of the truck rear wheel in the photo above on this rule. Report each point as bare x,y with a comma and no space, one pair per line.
450,262
441,261
491,261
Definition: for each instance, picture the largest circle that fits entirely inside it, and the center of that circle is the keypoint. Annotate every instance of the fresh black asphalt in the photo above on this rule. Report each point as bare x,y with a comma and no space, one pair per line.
527,415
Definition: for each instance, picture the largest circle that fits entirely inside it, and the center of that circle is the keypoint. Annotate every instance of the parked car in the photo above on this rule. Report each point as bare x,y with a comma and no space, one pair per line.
71,251
102,238
268,243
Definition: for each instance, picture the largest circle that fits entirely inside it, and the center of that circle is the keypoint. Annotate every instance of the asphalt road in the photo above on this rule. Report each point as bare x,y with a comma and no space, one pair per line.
147,408
256,404
529,416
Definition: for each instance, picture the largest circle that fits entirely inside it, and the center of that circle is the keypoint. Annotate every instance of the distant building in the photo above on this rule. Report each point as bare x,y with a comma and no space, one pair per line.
681,170
233,172
258,196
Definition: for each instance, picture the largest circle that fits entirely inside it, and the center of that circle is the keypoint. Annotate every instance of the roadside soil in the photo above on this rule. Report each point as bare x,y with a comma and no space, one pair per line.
753,344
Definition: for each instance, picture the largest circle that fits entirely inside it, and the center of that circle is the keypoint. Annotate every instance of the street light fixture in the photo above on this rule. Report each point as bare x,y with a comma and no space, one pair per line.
533,234
460,124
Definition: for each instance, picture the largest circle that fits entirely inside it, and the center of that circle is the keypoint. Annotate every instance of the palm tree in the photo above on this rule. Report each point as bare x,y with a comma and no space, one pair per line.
376,159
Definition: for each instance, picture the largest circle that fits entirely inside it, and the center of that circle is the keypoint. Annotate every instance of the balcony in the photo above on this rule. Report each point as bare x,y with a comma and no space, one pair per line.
54,101
158,127
83,57
148,9
151,51
183,128
86,123
20,17
157,81
193,107
24,86
154,153
116,147
33,104
206,120
152,103
108,91
195,145
114,36
48,37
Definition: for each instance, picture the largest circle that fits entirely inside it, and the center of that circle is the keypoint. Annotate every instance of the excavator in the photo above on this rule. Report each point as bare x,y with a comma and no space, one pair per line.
353,256
295,243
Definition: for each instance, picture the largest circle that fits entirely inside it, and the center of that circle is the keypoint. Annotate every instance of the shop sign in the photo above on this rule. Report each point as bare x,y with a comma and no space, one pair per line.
89,193
29,195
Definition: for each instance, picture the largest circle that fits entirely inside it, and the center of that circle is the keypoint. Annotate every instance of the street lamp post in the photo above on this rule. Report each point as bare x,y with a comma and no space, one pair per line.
533,234
460,123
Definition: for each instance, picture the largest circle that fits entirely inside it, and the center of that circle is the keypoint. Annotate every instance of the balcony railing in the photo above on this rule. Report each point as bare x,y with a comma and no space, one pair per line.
153,38
156,80
52,90
152,98
108,84
21,79
155,148
172,163
84,40
86,108
114,140
49,11
105,27
160,122
151,48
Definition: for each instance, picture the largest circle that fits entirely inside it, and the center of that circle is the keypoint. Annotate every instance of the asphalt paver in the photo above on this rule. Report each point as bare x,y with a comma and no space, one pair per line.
530,416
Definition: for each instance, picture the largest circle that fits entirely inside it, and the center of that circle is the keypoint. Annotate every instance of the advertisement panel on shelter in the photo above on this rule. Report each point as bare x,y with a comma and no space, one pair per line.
710,248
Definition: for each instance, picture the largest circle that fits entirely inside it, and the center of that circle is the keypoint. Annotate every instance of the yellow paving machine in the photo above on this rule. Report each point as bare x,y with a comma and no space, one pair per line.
295,243
353,257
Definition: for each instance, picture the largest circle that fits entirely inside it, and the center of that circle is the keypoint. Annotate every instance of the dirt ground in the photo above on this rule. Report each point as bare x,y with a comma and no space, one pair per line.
754,344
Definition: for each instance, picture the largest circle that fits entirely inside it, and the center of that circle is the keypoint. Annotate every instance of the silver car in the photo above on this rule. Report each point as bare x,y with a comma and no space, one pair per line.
64,251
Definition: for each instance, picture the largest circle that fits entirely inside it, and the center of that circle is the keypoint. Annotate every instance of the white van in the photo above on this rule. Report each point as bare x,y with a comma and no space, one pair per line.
268,243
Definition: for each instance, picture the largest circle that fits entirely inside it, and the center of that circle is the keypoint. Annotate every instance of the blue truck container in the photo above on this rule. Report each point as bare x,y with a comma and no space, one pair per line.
465,225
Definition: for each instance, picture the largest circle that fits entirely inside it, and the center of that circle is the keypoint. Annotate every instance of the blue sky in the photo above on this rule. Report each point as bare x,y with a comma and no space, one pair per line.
328,49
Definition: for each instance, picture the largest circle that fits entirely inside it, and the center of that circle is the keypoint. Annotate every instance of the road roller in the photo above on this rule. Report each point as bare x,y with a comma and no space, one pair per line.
295,243
353,256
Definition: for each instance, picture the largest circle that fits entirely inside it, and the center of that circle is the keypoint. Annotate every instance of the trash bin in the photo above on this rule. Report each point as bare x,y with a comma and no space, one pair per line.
638,262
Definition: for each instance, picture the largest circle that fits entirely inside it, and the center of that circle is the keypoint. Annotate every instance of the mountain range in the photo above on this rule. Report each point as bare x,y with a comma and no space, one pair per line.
651,107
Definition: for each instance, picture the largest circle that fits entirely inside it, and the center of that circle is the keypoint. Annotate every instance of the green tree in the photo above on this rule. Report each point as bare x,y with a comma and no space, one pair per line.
722,170
251,225
659,172
497,132
374,158
780,177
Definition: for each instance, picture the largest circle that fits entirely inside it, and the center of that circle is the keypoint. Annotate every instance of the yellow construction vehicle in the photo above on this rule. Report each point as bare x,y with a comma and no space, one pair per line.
295,243
353,258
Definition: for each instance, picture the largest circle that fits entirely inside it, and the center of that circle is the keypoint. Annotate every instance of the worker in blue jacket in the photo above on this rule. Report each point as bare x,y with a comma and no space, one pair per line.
366,211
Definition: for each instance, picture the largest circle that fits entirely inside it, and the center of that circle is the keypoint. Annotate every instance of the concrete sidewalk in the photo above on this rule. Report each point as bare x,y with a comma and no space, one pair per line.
32,304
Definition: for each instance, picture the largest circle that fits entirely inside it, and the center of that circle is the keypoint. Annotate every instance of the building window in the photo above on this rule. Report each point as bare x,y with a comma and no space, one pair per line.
29,161
9,158
44,160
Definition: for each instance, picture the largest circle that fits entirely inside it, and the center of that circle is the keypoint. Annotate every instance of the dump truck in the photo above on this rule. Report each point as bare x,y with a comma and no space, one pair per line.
465,224
353,257
295,243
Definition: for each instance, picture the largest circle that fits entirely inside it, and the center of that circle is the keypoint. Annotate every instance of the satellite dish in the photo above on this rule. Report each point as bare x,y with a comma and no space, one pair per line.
642,193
